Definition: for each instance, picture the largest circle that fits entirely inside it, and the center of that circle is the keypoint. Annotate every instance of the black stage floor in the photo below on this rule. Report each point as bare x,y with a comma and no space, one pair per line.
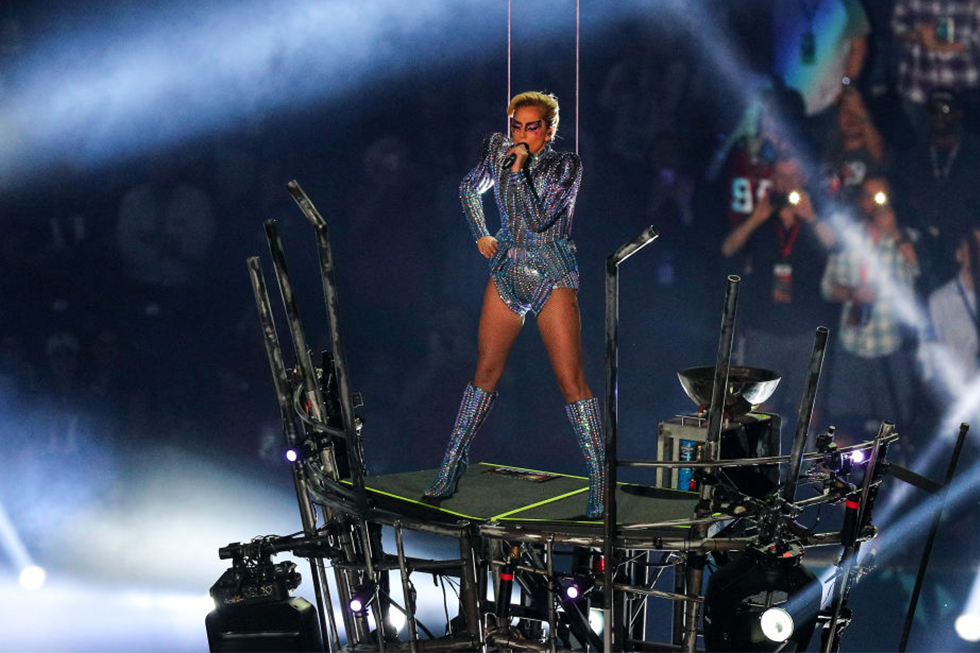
496,493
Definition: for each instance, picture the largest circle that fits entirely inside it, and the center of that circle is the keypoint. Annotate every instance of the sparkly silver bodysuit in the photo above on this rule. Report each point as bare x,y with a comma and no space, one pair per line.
535,252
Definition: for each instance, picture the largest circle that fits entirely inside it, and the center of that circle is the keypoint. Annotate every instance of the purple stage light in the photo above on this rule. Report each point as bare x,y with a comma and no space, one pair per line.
573,588
361,598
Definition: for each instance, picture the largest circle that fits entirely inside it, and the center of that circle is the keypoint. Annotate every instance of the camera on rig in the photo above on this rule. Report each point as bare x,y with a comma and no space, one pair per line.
253,577
330,389
834,461
319,439
254,609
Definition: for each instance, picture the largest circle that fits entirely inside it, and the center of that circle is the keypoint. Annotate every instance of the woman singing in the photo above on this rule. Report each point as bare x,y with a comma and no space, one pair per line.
532,268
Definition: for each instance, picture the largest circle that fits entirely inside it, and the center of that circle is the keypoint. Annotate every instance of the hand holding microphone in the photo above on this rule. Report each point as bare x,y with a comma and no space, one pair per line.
517,154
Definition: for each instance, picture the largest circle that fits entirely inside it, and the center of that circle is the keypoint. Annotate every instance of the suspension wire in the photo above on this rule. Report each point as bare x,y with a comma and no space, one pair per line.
578,62
578,37
508,62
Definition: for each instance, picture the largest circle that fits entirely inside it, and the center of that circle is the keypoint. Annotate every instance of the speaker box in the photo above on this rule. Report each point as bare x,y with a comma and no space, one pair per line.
276,626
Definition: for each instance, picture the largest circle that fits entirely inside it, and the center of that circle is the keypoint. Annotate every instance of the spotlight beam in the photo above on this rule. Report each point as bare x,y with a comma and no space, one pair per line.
12,543
131,80
958,491
930,540
950,373
168,73
910,311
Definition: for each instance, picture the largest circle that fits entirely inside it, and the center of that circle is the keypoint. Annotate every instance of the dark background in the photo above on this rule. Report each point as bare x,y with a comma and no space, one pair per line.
140,429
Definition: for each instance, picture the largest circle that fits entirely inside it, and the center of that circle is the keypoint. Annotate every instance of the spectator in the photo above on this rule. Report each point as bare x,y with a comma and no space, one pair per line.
643,99
165,231
953,312
856,150
110,379
18,374
165,228
938,179
686,258
786,247
671,188
871,275
879,83
881,66
940,49
820,47
64,417
769,128
23,288
378,211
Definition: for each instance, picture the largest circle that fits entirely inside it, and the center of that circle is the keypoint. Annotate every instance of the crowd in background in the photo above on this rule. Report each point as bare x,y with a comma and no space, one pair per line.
850,200
837,179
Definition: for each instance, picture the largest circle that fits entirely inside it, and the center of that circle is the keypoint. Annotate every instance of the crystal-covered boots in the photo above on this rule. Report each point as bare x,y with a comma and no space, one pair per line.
586,420
473,409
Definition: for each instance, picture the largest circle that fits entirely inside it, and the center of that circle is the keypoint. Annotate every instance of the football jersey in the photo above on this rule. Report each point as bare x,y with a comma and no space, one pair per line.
744,181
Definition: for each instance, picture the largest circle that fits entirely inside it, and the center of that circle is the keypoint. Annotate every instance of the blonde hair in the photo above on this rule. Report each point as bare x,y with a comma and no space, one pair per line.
547,102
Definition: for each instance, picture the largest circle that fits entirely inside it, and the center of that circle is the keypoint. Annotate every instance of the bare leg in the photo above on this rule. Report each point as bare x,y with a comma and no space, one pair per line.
499,327
561,331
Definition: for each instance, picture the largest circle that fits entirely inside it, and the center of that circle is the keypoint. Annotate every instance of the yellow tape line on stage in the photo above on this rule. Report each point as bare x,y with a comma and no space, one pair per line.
422,503
542,503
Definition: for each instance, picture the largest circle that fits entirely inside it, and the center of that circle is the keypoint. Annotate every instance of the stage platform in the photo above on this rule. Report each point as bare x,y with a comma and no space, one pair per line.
504,493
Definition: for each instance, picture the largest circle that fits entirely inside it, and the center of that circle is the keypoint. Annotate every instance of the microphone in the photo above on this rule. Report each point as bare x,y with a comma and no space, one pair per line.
510,158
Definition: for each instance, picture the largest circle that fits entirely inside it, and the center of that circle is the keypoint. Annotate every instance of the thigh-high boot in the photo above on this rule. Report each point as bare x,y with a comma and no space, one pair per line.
586,420
473,409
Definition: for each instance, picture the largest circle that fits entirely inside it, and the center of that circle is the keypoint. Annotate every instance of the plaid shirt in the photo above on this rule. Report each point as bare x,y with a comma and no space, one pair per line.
882,267
921,69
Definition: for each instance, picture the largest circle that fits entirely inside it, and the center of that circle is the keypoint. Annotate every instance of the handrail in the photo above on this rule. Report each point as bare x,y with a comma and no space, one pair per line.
627,250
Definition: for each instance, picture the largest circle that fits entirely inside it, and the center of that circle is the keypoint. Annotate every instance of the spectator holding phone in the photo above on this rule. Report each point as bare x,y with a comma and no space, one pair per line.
785,249
872,276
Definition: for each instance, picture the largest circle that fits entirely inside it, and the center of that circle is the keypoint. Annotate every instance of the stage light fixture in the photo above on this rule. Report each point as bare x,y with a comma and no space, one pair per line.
968,627
292,455
32,577
361,598
858,456
765,600
573,588
776,624
597,620
397,620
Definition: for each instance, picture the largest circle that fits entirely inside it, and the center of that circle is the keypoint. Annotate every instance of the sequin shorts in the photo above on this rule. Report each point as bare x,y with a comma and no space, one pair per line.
524,281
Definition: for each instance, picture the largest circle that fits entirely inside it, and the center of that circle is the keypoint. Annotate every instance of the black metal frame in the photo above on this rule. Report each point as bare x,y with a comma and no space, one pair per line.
612,421
349,535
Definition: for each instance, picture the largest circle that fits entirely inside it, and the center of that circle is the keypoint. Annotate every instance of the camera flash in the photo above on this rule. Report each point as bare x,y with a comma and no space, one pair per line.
881,198
794,198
